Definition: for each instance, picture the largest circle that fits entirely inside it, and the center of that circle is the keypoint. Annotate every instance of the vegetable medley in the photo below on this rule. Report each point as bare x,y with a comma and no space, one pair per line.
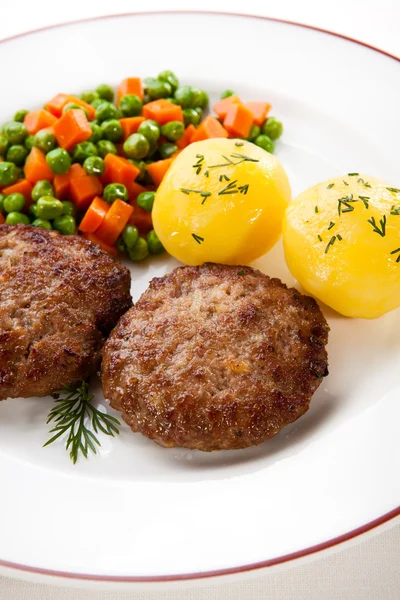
92,164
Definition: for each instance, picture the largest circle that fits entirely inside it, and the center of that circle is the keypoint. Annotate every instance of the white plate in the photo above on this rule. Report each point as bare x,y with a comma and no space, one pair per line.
140,512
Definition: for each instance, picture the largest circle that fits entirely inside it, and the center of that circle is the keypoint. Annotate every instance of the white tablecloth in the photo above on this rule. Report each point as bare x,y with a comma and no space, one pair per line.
370,569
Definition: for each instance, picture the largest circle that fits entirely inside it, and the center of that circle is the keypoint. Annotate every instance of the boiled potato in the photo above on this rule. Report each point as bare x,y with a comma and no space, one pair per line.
221,201
342,243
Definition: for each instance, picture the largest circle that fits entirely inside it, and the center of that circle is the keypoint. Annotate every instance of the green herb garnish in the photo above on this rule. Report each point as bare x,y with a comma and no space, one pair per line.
395,211
339,237
382,223
345,182
330,243
197,238
395,252
70,415
330,186
331,224
365,200
239,144
394,190
316,209
320,238
353,174
241,272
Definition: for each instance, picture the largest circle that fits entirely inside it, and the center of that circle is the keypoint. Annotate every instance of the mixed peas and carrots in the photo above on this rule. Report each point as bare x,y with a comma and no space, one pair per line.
92,164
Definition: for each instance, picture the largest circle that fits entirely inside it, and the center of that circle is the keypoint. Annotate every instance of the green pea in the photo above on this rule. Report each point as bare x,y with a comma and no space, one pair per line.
263,141
59,161
254,132
96,132
8,174
106,111
167,150
173,130
115,191
89,96
3,145
65,224
48,207
17,154
96,102
94,165
68,208
2,198
20,115
141,165
154,244
29,142
136,146
105,92
191,117
153,148
172,100
105,147
15,132
42,188
130,105
184,96
83,150
72,106
33,210
200,98
130,236
120,246
227,94
42,223
45,141
139,251
169,77
14,203
146,200
156,88
150,129
112,130
17,218
272,128
146,98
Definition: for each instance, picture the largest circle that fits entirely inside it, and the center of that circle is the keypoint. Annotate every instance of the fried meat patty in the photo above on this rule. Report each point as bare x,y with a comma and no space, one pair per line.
215,357
60,296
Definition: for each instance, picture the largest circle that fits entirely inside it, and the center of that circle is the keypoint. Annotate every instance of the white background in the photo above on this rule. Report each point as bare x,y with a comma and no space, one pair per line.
368,570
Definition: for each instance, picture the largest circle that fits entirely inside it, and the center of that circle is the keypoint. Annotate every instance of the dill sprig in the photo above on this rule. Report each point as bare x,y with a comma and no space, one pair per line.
382,223
71,414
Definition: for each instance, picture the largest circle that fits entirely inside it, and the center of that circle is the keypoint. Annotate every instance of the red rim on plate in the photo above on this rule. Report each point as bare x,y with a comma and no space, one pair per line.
249,567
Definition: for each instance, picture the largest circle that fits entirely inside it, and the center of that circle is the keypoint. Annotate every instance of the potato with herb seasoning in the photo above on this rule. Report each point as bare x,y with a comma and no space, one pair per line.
222,200
342,243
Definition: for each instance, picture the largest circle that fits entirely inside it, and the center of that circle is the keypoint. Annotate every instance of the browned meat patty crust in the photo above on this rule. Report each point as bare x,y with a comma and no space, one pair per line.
60,296
215,357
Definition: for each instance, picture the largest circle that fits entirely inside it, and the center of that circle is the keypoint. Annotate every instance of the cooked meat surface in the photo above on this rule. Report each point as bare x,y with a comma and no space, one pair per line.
60,296
215,357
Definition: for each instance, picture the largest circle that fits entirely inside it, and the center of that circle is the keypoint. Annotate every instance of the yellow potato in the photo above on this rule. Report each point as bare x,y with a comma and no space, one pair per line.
342,243
221,201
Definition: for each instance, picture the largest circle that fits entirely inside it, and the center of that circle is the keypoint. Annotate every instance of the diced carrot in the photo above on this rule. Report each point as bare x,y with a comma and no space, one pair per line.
23,186
106,247
2,219
222,106
238,120
114,221
38,119
141,219
260,111
72,128
130,125
84,189
130,85
76,171
187,136
158,169
210,127
91,111
36,167
94,215
134,189
56,104
61,186
162,111
119,170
